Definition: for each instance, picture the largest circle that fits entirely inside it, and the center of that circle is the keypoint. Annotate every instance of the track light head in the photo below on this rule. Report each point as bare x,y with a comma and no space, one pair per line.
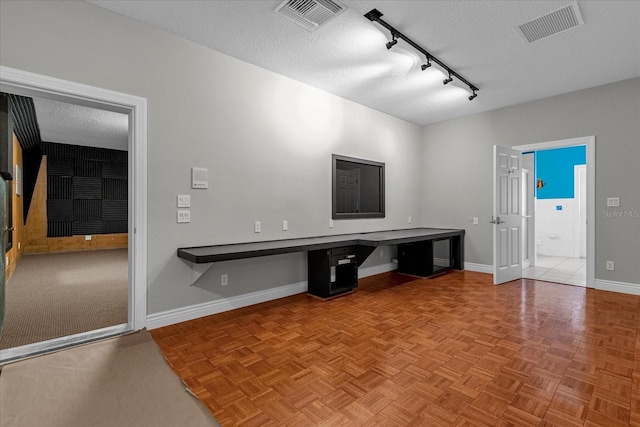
471,97
426,65
447,80
392,42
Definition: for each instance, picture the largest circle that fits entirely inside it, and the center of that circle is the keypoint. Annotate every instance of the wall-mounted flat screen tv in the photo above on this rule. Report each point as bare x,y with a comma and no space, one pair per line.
357,188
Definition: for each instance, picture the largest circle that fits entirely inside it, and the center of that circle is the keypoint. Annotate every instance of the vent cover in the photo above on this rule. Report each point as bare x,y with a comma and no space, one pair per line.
560,20
310,14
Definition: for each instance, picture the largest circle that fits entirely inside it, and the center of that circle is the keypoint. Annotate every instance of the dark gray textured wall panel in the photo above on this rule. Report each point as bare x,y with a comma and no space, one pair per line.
114,189
62,166
59,187
25,121
85,210
59,210
83,167
87,188
115,227
92,227
114,170
59,229
114,210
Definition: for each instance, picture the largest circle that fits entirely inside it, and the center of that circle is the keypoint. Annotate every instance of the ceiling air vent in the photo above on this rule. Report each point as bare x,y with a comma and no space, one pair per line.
560,20
310,14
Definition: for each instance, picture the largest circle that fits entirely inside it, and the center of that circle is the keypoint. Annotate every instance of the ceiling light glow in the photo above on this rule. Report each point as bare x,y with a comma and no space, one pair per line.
375,15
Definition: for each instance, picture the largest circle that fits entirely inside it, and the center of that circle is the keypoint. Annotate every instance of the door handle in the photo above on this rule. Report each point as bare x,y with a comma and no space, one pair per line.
496,221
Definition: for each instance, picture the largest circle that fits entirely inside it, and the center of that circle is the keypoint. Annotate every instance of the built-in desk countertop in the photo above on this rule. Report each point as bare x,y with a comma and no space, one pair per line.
214,253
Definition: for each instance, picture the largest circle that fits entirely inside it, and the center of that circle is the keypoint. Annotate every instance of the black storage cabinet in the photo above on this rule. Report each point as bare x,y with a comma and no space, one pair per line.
332,272
426,258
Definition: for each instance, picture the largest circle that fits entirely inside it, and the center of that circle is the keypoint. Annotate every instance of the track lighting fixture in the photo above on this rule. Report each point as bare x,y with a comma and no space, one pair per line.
392,42
426,65
374,15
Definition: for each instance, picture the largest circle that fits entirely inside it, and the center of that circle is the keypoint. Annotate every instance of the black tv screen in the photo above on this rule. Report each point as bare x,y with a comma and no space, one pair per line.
357,188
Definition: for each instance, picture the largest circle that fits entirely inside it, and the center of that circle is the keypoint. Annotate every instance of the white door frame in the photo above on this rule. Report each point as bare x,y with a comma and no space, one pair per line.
579,173
36,85
590,143
527,219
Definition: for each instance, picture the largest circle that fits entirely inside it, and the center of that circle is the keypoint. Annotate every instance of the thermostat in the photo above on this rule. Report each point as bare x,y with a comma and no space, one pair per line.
199,178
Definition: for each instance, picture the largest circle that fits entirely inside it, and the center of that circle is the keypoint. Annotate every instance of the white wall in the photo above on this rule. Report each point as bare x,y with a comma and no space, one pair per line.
267,141
555,229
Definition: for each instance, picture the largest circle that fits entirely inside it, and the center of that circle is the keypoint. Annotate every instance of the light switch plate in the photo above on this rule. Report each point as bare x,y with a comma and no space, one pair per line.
184,201
184,215
613,201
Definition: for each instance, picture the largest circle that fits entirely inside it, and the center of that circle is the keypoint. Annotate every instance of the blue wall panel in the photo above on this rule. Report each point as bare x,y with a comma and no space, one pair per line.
555,169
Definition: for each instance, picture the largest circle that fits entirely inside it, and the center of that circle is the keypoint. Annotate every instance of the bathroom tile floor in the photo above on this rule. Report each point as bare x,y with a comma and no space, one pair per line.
567,270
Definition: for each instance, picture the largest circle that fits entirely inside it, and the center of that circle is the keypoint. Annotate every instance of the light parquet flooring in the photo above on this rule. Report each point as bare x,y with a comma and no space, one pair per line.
402,351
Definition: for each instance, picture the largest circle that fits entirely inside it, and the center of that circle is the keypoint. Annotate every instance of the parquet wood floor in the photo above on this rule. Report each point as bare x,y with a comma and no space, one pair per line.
402,351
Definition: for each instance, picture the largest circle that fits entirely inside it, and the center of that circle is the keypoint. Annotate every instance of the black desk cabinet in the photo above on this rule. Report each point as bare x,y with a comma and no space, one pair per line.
332,272
427,258
333,261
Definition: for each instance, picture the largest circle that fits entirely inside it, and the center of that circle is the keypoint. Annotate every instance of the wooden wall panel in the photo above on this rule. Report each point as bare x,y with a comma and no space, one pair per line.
36,240
14,254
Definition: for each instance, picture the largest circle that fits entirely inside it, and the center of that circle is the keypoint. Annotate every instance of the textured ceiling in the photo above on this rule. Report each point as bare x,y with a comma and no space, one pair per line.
478,39
348,57
77,125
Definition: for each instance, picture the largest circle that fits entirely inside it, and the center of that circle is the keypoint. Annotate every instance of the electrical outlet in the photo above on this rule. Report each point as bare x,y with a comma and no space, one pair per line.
257,227
87,237
475,220
330,223
285,225
184,215
611,265
224,280
409,220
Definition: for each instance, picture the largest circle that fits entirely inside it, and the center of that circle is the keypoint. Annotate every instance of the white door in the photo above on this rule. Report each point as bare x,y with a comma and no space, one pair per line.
507,214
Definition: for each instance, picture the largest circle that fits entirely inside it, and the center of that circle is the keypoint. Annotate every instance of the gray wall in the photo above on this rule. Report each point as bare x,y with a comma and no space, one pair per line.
457,171
267,141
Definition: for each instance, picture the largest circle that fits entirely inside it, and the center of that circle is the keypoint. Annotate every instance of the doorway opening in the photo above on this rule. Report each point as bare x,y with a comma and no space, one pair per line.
522,244
37,86
558,223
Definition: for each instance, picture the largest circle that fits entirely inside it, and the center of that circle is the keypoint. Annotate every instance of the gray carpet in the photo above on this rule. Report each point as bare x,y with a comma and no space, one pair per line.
123,381
55,295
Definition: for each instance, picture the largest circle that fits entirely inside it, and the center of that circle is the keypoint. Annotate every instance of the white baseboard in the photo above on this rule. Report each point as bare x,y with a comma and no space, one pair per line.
376,269
479,268
622,287
169,317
